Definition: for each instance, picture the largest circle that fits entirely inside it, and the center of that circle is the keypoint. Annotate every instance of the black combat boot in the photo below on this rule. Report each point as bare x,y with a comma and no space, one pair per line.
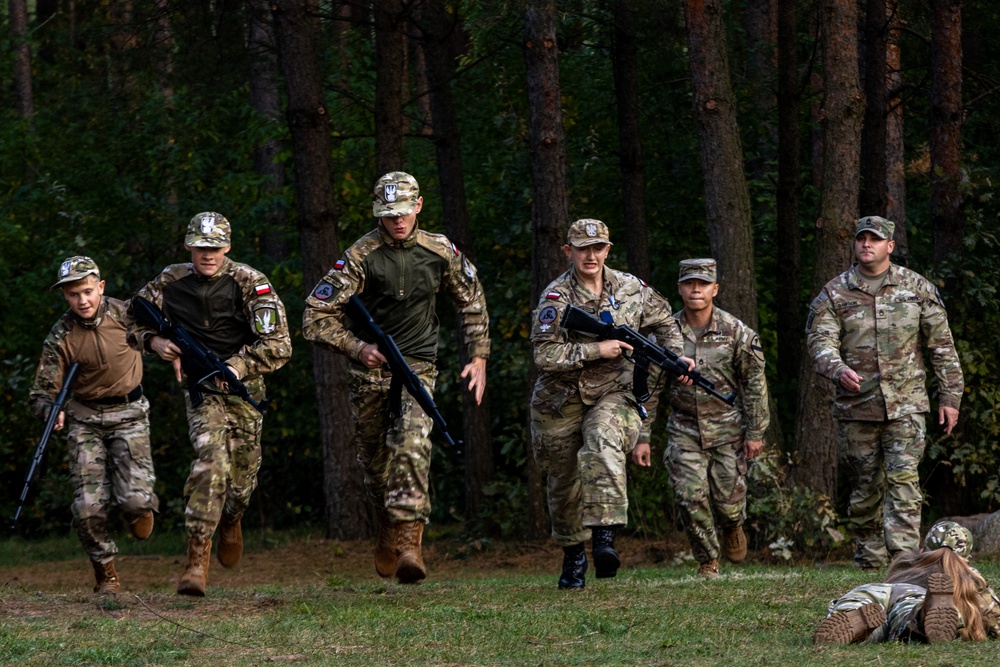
606,561
574,566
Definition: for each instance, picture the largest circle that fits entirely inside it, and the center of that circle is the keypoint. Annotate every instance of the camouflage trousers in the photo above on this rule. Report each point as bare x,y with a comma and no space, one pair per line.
582,449
109,461
902,603
881,461
708,484
225,433
394,452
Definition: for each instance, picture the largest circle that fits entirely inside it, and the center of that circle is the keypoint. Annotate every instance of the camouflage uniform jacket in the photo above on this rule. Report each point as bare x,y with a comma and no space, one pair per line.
729,353
108,367
398,281
570,363
235,313
879,336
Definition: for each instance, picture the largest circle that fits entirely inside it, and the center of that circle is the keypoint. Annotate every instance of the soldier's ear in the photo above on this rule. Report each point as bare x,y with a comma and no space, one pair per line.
892,246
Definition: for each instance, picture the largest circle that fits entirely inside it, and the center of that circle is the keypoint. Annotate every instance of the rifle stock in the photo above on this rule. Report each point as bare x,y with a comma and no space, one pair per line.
199,363
644,352
402,374
50,424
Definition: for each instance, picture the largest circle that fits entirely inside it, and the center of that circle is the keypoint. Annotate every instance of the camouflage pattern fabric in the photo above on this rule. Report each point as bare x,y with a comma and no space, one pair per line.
949,534
879,337
398,281
881,460
395,454
225,433
584,420
902,604
710,489
109,462
729,353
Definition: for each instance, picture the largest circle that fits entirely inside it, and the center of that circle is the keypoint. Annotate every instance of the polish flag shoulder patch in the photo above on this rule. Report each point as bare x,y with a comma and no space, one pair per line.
339,265
262,289
454,248
553,295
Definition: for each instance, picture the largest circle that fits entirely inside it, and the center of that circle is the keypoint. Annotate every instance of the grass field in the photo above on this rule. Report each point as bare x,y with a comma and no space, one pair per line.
314,602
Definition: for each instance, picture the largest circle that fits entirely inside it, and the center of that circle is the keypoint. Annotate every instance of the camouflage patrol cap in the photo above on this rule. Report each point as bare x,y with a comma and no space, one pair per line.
949,534
209,230
76,268
395,194
878,226
587,231
697,269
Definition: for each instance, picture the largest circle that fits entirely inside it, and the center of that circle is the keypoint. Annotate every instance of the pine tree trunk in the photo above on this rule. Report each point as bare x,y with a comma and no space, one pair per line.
895,147
947,206
390,59
873,133
24,97
346,507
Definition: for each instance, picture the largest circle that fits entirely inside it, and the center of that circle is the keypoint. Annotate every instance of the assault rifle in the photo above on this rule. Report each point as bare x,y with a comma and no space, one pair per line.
199,363
644,352
402,374
50,425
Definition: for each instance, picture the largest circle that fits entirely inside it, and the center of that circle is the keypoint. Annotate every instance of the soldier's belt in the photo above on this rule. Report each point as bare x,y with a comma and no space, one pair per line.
133,395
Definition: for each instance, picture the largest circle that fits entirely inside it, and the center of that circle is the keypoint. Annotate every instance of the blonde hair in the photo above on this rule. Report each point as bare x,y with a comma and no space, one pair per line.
915,567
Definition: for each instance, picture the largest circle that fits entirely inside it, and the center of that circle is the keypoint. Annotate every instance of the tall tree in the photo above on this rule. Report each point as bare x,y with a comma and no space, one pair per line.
265,98
439,35
625,55
873,134
947,206
295,25
760,26
789,324
24,97
895,148
549,205
390,77
842,114
727,200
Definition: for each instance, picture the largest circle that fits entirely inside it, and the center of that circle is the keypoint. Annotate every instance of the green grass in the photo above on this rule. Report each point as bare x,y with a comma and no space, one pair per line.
756,615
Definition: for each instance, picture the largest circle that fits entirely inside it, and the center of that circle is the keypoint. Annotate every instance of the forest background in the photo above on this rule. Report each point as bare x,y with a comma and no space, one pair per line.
753,131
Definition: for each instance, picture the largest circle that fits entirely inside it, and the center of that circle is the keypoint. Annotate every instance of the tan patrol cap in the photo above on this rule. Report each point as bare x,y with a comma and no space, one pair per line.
76,268
209,230
395,194
697,269
878,226
587,231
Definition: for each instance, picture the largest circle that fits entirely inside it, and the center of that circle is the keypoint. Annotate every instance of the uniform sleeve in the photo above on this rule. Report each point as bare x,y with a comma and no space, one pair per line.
323,321
658,322
944,358
749,365
48,378
463,286
137,335
823,337
553,351
266,314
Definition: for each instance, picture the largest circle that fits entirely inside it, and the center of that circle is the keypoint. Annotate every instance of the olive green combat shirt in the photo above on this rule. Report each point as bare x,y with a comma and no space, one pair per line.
879,336
729,353
398,281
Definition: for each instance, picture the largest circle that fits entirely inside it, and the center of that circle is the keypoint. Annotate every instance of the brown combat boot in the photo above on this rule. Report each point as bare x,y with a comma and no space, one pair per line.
142,525
194,581
107,578
850,627
230,548
410,567
386,553
941,618
734,544
709,569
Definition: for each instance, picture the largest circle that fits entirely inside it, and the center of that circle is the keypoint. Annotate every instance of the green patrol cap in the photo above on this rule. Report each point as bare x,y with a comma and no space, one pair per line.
878,226
697,269
949,534
76,268
395,194
587,231
209,230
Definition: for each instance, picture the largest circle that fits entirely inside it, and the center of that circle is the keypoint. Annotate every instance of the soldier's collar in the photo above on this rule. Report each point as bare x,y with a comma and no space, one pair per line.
387,238
856,280
713,322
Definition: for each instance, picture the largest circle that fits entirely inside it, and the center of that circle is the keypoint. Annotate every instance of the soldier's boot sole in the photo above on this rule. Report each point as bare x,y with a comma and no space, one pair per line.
941,617
142,525
850,627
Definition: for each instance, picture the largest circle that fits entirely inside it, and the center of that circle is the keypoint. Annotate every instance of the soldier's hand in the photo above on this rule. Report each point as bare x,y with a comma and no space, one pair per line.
370,356
60,421
947,417
850,380
475,370
752,448
221,384
684,379
168,352
610,349
641,454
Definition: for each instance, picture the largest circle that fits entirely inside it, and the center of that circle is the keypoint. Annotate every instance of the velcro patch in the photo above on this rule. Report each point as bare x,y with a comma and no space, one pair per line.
339,265
323,291
553,295
262,289
265,319
548,315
